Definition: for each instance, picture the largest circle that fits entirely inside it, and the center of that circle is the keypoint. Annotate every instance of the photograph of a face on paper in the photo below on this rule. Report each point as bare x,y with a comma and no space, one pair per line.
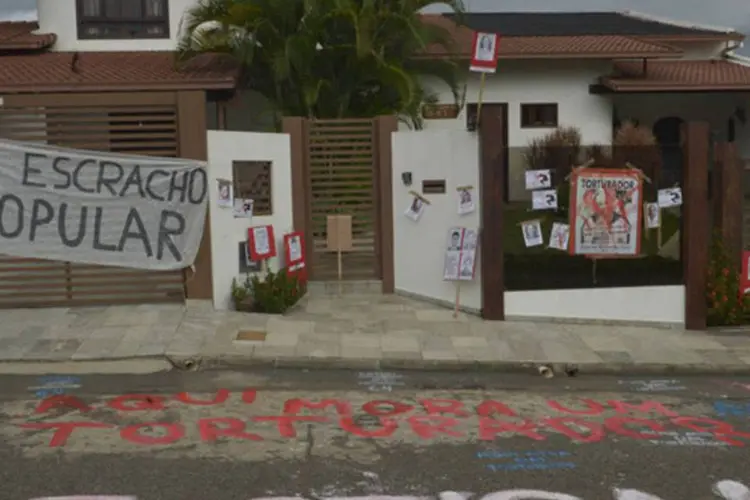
606,211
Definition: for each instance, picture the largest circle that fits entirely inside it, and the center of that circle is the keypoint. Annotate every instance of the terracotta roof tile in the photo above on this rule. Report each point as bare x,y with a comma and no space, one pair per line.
18,36
679,75
525,47
94,71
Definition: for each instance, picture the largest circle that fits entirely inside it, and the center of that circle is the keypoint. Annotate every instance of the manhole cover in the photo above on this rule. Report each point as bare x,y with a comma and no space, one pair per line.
251,336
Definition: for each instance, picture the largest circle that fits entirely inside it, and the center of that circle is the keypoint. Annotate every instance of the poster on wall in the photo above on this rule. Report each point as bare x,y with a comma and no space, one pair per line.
538,179
460,254
559,236
653,215
532,233
416,207
224,195
261,242
466,203
606,212
544,200
243,208
671,197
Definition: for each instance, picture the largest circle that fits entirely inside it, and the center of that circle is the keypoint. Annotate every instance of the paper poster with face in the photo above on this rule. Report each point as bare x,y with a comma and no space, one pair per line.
671,197
532,233
450,266
243,208
470,240
294,250
455,239
466,203
224,197
538,179
466,266
653,215
415,209
559,236
544,200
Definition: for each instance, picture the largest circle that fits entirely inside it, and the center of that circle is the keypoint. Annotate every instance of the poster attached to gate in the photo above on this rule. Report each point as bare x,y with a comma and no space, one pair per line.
100,208
606,212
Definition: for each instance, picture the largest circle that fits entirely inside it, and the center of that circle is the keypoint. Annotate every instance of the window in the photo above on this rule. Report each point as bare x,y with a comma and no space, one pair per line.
252,180
538,115
122,19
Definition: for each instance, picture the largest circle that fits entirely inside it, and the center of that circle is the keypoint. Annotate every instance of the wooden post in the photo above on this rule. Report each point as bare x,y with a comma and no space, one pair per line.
730,212
695,222
492,168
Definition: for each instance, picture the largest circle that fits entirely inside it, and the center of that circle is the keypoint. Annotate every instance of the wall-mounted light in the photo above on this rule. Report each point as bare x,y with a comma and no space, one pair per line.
406,178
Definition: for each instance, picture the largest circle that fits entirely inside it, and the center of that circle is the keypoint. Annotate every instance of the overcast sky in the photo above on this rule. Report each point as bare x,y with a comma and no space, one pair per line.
727,13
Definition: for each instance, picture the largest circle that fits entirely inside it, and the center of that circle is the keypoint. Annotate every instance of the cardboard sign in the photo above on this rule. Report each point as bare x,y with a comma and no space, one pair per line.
261,242
339,233
484,52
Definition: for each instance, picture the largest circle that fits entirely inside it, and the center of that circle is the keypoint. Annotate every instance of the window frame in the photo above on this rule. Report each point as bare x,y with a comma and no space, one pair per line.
126,28
539,107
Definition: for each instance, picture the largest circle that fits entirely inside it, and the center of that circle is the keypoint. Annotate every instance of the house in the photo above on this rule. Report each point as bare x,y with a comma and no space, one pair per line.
594,70
84,76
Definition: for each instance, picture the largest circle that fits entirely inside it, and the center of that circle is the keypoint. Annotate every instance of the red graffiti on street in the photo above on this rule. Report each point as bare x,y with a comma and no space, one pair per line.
428,419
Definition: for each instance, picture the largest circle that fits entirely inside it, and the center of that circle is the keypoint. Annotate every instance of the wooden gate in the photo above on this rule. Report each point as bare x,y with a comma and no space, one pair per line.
343,172
140,123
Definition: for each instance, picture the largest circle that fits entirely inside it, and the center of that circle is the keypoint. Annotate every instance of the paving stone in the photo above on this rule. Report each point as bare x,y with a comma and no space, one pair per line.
96,348
526,350
273,352
358,352
439,355
283,325
318,349
471,342
719,357
615,356
334,326
437,343
153,350
358,341
281,339
399,343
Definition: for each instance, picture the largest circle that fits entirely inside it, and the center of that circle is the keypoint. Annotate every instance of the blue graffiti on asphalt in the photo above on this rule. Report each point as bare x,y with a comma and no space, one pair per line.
54,385
526,460
732,409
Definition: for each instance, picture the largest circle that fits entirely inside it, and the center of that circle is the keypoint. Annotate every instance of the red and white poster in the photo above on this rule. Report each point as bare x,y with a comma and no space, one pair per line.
745,277
261,242
294,252
484,52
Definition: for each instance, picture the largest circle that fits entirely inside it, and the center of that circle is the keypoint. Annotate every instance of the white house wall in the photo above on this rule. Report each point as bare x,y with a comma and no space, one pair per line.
419,247
647,304
226,231
539,81
59,17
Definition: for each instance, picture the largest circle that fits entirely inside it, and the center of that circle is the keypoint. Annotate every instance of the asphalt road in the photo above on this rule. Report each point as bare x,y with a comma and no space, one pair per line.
446,436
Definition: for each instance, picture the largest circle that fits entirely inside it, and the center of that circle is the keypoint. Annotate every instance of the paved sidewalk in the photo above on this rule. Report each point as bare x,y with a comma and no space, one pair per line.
359,331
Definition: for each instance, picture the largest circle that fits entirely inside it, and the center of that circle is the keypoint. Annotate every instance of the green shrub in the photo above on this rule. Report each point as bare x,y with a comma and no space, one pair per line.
275,292
727,305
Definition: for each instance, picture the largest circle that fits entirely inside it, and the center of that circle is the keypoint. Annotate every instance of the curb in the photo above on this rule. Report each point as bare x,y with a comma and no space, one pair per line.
516,367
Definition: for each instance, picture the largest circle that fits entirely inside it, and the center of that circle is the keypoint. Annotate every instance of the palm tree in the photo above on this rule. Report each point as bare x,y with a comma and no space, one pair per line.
328,58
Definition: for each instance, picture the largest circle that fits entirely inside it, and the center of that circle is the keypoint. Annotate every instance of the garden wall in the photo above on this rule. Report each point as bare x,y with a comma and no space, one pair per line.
228,153
451,156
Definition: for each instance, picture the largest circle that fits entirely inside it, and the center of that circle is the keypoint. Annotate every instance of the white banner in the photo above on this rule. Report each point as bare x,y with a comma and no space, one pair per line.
100,208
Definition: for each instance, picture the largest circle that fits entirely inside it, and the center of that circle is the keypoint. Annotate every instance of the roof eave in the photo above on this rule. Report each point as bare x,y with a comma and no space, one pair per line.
673,87
713,37
565,55
223,84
